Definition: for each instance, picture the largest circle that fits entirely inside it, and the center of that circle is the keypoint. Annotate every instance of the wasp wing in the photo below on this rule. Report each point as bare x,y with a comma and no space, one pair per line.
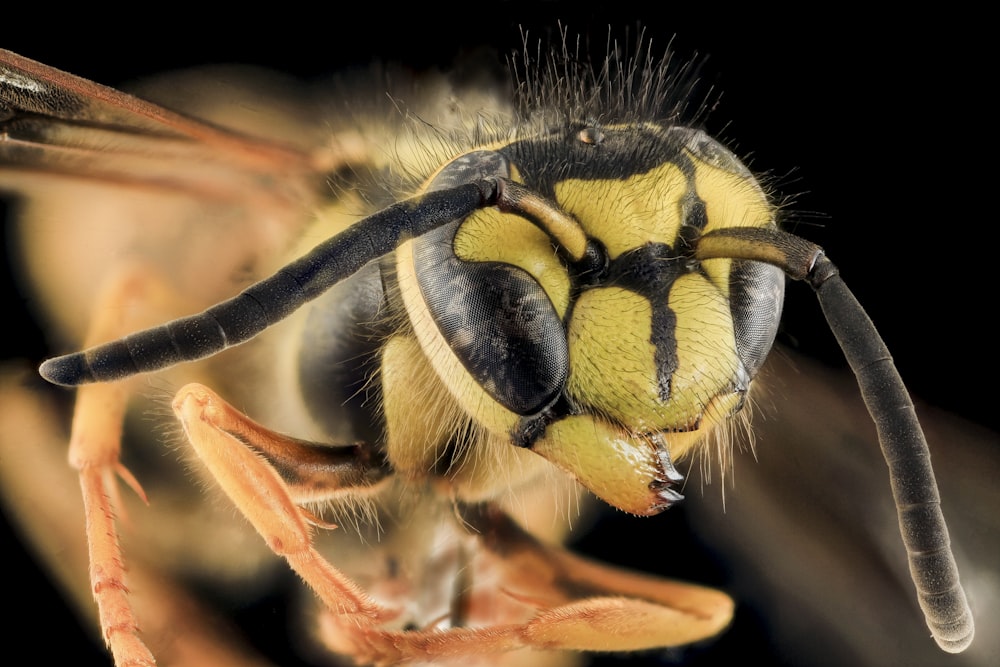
110,180
55,123
155,187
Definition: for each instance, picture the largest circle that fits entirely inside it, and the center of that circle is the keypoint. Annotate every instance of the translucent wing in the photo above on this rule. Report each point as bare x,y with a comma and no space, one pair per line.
110,181
55,123
154,186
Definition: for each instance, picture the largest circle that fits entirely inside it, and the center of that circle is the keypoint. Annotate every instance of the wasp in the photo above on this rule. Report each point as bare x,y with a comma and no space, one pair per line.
467,330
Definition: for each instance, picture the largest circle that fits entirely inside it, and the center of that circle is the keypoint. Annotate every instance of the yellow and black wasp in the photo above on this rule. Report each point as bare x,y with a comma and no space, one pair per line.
597,133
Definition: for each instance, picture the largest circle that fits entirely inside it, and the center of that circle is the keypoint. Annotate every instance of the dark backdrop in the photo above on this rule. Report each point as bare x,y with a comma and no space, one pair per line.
877,127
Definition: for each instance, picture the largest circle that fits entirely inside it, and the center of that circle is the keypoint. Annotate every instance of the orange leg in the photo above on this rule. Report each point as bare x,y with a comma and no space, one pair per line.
245,460
565,602
38,490
134,297
570,603
94,451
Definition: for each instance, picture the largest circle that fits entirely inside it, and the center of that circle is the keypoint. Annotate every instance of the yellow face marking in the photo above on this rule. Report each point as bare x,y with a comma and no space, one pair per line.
730,200
415,438
615,465
422,420
706,347
626,214
491,236
718,412
613,359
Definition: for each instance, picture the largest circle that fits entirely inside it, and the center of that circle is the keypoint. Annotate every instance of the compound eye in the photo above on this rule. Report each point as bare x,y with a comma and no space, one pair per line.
497,321
757,293
495,318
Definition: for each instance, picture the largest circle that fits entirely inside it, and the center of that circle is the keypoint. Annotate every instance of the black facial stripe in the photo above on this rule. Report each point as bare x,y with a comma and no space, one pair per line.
695,219
650,271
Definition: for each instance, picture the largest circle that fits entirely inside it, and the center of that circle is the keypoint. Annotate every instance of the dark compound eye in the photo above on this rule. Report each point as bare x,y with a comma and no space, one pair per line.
757,293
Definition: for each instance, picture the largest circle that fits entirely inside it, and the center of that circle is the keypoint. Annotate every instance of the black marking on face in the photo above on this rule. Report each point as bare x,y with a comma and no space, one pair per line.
651,271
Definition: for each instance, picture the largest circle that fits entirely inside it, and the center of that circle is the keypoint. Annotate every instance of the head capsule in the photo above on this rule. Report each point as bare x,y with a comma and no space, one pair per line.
614,370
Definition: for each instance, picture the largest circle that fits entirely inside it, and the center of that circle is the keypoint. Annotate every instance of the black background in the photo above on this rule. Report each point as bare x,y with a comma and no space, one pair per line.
876,127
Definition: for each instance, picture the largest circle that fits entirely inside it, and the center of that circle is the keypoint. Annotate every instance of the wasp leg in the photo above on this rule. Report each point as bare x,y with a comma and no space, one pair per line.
565,602
267,475
606,609
38,487
132,297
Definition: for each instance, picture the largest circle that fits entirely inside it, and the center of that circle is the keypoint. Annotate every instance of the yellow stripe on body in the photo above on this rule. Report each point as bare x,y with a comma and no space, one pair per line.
491,236
629,213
